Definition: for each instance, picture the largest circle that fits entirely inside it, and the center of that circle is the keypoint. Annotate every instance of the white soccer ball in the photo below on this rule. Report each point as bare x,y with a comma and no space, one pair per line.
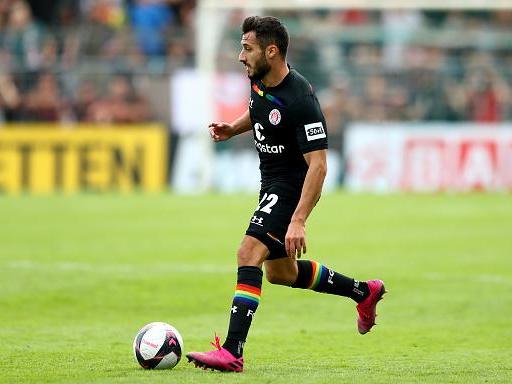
158,346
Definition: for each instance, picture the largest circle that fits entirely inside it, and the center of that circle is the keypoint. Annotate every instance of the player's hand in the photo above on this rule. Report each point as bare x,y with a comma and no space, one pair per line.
220,131
295,239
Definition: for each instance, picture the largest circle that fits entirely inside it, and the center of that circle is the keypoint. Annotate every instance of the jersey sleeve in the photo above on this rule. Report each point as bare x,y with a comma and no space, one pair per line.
309,123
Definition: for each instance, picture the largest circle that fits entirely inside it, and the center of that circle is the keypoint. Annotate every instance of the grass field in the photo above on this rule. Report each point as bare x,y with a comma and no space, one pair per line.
80,275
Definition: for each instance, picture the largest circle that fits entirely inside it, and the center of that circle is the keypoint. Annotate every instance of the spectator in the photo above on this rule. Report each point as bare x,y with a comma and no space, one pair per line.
10,98
5,7
86,96
483,104
23,37
376,98
121,105
44,102
107,12
151,20
49,53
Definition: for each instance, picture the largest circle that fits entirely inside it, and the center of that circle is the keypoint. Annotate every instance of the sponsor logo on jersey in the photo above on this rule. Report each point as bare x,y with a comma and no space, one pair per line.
265,148
315,131
274,117
250,102
258,128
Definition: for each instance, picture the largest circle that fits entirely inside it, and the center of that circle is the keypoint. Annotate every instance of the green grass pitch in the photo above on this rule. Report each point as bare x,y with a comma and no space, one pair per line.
80,275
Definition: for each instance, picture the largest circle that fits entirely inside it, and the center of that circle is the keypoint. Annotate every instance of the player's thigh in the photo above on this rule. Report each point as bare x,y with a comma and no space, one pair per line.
271,218
281,271
252,252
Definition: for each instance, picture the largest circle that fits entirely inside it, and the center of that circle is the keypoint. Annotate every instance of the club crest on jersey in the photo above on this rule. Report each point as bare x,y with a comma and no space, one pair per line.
274,117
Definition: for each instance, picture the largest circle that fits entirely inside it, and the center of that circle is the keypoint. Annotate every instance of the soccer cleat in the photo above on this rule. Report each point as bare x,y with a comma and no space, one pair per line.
367,308
220,359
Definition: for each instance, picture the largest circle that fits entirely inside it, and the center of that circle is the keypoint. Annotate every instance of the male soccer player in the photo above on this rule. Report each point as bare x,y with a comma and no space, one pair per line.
291,139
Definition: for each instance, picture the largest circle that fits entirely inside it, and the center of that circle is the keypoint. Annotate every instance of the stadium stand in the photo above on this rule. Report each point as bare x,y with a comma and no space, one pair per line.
374,65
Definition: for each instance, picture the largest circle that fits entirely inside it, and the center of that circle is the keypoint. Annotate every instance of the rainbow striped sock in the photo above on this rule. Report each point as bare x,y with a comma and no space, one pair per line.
245,302
247,294
319,278
318,274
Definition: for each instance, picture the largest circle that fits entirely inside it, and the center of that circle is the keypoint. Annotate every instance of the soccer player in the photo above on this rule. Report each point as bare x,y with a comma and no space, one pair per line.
291,139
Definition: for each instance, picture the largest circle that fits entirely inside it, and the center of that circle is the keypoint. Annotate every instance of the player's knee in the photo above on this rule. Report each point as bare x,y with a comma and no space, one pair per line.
252,252
247,258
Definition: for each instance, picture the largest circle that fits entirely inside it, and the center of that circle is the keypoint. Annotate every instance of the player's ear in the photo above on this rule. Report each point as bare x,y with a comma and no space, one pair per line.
272,51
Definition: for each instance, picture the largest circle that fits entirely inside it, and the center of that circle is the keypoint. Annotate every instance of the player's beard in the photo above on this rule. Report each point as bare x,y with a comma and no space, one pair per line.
260,69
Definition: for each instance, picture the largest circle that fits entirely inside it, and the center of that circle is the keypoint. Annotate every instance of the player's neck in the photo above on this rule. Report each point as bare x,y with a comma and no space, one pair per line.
276,75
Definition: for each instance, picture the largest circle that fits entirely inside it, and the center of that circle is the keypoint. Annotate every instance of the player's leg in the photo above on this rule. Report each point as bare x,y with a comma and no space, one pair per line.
309,274
228,357
253,250
317,277
250,256
281,271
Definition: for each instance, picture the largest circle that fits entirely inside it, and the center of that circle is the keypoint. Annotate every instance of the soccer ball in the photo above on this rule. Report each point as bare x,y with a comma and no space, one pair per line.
158,346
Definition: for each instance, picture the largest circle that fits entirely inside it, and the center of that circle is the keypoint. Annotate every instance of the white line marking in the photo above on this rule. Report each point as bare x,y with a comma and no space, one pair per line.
163,268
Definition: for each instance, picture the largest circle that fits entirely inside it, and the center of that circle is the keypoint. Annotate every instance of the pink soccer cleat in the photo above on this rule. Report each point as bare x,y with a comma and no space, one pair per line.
220,359
367,308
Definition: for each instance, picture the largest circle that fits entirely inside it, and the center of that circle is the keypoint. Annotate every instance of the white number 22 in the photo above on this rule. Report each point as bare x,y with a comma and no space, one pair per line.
272,200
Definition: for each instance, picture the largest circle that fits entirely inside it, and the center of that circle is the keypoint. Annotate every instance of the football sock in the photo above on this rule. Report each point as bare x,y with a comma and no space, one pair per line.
245,303
315,276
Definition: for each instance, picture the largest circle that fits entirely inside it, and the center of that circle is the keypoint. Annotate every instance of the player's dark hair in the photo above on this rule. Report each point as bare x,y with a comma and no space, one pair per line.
268,30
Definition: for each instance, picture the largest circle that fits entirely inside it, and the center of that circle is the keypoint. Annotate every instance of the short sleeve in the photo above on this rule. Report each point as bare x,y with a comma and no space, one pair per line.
309,123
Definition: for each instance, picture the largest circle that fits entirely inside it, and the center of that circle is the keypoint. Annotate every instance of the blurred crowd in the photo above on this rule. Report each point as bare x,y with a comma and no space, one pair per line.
418,66
86,60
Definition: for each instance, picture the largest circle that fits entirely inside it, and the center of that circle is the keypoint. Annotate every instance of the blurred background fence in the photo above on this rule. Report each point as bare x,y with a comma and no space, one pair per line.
414,99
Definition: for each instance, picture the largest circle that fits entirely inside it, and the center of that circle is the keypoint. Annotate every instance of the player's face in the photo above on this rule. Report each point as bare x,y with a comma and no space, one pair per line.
253,57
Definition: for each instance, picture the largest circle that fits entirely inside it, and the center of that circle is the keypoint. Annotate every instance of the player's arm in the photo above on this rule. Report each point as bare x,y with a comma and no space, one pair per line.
220,131
295,240
311,135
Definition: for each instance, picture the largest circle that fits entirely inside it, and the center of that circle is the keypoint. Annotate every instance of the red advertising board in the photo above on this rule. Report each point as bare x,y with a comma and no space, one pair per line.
427,158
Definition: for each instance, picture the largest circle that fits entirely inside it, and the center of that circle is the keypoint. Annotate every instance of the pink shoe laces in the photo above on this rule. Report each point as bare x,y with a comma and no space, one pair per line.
217,343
